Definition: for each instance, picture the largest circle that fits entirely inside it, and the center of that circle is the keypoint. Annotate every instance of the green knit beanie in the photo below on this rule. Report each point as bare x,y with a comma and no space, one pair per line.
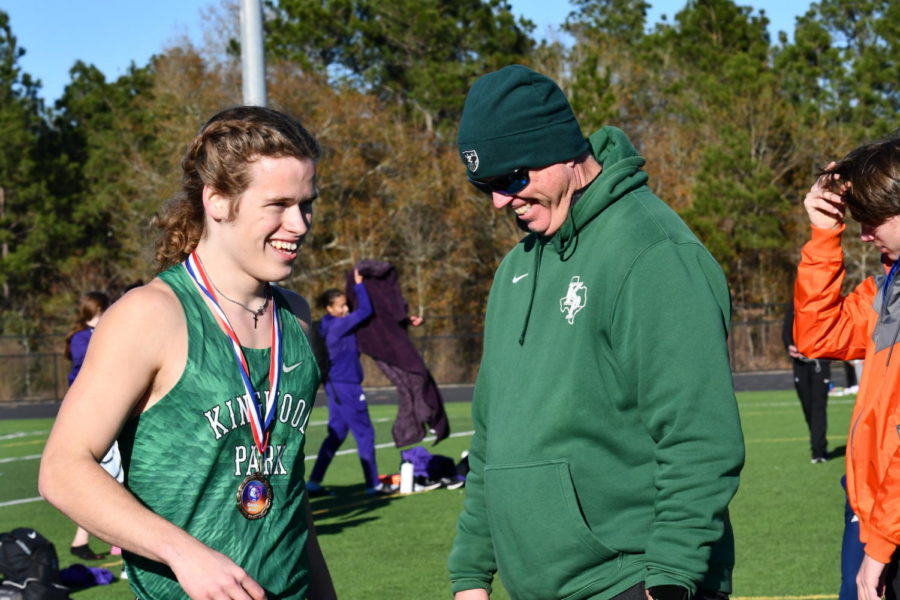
516,118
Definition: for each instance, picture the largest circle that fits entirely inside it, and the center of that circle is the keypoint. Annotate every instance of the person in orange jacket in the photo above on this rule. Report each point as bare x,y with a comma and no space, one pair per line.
863,324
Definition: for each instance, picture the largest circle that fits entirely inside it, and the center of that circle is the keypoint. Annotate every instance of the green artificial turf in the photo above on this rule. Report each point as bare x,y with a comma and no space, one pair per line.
788,514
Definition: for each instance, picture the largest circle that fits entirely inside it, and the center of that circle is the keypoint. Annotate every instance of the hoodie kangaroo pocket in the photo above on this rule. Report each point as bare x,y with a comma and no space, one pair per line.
543,545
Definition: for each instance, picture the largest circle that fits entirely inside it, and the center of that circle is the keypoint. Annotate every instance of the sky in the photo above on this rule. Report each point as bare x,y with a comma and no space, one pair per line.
111,34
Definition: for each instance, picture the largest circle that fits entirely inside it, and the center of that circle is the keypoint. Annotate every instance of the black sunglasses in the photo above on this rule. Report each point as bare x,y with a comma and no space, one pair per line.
509,184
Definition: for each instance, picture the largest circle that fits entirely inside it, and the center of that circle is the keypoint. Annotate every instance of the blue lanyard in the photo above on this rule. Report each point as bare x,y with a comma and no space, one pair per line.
888,280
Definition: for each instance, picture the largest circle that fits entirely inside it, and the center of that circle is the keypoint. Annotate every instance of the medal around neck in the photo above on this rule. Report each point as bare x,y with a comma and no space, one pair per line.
254,496
260,418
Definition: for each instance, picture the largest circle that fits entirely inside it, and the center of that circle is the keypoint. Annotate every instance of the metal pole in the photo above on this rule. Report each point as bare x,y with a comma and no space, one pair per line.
253,58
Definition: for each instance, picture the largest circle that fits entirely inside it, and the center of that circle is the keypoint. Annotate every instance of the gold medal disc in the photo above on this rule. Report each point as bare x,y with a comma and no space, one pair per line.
254,496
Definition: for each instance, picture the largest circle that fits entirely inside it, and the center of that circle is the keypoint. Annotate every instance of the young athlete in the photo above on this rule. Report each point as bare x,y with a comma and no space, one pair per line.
863,324
347,408
207,379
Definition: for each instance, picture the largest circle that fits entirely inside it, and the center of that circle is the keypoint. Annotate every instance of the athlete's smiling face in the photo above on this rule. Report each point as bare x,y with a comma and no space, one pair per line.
272,217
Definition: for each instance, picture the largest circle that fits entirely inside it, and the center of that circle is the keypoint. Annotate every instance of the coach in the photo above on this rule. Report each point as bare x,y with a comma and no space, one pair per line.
607,442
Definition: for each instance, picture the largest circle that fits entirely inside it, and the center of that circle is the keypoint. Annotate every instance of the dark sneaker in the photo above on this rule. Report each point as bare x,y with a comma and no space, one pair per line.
84,552
423,484
382,489
316,490
454,484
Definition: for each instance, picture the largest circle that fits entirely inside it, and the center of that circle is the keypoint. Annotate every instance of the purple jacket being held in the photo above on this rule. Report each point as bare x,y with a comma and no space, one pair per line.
384,337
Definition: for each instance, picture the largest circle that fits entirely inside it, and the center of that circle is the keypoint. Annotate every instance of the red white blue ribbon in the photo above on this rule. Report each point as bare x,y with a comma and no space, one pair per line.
260,419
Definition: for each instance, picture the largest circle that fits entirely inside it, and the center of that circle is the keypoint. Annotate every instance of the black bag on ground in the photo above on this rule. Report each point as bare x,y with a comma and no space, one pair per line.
30,566
33,589
26,554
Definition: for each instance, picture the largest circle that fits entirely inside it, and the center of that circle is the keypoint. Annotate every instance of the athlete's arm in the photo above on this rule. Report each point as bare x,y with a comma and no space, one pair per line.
828,324
135,356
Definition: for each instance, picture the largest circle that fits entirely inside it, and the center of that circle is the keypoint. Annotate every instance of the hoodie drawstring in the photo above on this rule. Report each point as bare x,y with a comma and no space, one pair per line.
539,252
564,245
570,243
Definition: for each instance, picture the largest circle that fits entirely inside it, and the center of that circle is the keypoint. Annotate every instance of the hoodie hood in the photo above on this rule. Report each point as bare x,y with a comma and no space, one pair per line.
621,175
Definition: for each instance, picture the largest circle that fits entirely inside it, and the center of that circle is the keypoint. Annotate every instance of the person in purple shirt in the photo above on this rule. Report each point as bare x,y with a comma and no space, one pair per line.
92,305
347,407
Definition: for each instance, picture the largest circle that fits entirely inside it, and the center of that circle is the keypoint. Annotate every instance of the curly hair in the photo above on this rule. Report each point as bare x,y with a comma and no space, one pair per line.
220,156
873,171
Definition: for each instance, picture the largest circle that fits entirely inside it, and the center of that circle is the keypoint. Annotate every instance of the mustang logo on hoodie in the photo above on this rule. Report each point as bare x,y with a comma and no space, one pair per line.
574,300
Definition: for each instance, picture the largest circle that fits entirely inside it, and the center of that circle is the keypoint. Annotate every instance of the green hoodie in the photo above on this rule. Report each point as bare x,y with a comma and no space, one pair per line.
607,440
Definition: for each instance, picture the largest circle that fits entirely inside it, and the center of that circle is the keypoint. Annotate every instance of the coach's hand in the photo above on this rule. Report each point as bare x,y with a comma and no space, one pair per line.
210,575
825,208
870,579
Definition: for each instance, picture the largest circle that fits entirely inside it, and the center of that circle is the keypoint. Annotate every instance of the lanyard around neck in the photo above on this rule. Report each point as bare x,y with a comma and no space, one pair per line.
260,419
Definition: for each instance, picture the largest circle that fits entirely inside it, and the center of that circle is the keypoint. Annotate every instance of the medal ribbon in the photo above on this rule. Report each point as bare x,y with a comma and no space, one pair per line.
259,419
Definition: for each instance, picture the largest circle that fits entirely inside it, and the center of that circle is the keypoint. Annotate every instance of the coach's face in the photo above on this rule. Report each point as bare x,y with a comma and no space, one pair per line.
543,204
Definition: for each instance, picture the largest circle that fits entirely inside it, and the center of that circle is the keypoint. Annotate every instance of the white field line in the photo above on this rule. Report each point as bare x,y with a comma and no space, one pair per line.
390,445
18,458
22,501
308,458
36,456
319,423
21,434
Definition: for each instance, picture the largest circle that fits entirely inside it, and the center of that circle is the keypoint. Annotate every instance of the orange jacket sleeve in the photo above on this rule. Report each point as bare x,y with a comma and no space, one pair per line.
884,522
827,324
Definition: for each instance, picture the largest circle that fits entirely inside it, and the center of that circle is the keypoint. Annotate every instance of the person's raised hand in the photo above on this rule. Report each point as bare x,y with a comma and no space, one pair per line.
825,208
356,276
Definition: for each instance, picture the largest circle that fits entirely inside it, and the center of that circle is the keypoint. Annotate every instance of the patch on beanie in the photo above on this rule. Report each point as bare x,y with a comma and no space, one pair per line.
471,159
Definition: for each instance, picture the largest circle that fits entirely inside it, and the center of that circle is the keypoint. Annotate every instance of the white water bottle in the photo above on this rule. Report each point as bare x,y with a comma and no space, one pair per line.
406,477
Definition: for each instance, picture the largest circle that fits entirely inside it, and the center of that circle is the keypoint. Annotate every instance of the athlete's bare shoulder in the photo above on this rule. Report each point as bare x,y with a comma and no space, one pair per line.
149,326
143,321
153,306
299,306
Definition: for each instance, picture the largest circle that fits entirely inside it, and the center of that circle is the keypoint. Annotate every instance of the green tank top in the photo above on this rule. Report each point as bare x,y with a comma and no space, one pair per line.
187,455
